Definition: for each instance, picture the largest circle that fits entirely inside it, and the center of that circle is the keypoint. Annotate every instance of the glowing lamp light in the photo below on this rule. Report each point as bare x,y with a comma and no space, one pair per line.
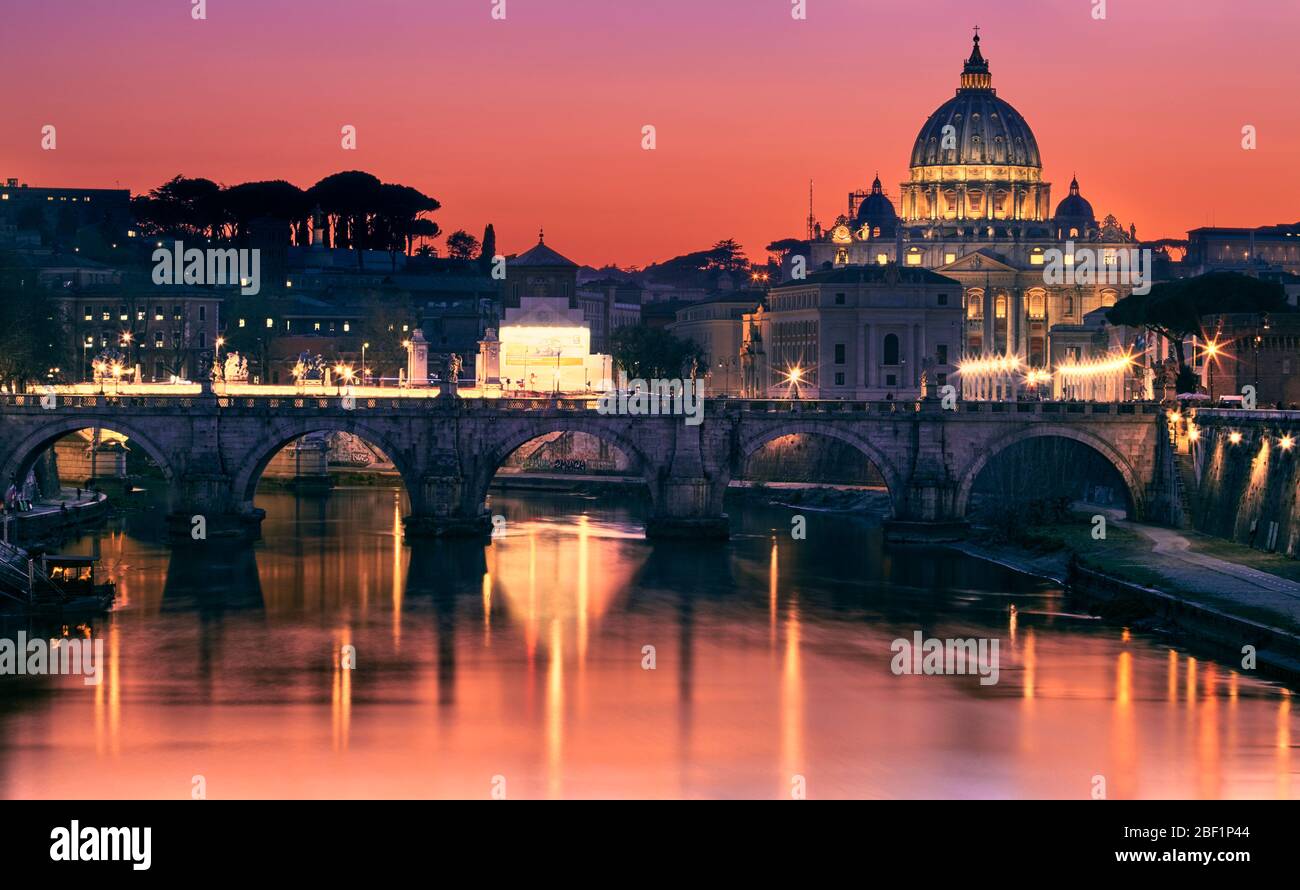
1175,416
1193,433
1234,437
1099,366
1038,376
997,364
1286,442
794,375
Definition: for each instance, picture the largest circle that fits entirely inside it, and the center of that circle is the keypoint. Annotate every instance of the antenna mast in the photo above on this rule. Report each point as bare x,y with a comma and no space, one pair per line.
812,220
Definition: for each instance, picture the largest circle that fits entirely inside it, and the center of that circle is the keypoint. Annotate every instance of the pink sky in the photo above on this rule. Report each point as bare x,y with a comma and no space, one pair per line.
536,120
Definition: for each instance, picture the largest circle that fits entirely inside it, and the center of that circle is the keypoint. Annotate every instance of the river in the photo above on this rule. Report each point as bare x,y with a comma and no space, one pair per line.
571,658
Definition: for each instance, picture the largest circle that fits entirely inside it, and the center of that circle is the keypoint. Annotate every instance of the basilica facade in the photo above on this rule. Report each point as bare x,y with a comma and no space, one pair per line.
975,208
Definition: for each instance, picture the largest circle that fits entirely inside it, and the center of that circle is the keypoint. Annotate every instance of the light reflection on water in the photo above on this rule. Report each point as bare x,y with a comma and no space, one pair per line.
523,662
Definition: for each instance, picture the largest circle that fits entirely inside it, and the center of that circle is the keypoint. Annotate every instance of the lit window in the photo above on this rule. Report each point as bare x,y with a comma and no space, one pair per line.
914,258
882,258
270,323
347,326
1036,258
241,322
316,326
949,258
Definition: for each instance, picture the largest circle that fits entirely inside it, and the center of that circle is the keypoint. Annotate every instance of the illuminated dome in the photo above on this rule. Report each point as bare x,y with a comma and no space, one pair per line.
985,129
975,159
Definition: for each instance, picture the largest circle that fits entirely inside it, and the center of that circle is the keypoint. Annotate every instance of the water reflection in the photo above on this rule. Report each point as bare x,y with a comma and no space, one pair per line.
575,659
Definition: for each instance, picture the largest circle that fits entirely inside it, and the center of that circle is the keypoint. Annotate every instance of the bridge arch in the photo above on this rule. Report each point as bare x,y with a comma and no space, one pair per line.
510,441
752,442
249,468
22,456
1061,431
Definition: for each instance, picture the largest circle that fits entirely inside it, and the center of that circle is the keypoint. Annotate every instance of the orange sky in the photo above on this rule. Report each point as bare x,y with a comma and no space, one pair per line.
536,120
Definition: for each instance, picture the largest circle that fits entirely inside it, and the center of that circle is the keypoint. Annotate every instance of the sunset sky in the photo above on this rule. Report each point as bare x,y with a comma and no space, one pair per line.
536,120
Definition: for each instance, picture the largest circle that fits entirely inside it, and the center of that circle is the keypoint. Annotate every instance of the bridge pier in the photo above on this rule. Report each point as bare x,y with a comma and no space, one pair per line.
686,509
204,508
446,508
929,513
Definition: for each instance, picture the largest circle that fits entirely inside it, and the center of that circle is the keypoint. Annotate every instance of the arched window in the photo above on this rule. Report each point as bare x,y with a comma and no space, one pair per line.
1037,304
1108,297
891,349
975,304
1000,307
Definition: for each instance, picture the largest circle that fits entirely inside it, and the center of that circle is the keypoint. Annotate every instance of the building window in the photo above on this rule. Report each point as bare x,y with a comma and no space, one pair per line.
1036,257
203,339
1068,306
347,326
943,299
89,315
1037,304
891,380
839,378
949,258
890,351
839,299
839,353
157,313
882,258
941,353
139,315
241,322
914,257
176,313
1000,307
203,313
270,323
157,340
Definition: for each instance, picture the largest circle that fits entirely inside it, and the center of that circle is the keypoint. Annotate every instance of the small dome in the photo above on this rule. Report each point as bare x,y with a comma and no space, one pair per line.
876,210
1075,207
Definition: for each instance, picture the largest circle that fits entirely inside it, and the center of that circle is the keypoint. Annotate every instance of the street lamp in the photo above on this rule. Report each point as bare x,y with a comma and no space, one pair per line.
793,376
364,347
1209,352
125,340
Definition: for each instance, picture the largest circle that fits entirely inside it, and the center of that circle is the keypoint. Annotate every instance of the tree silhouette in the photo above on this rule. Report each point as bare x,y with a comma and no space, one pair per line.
461,245
1174,309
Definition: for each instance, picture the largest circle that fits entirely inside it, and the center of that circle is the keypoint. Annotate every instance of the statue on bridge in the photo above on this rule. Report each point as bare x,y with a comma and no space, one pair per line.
235,369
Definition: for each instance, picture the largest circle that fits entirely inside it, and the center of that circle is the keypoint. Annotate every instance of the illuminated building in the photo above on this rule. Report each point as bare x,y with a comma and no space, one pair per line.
975,207
869,332
544,342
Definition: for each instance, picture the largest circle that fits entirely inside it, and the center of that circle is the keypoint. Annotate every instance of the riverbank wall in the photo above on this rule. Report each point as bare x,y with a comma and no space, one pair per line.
1246,468
46,523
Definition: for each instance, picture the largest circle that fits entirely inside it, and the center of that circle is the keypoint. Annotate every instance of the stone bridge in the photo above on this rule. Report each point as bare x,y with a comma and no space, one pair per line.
213,449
